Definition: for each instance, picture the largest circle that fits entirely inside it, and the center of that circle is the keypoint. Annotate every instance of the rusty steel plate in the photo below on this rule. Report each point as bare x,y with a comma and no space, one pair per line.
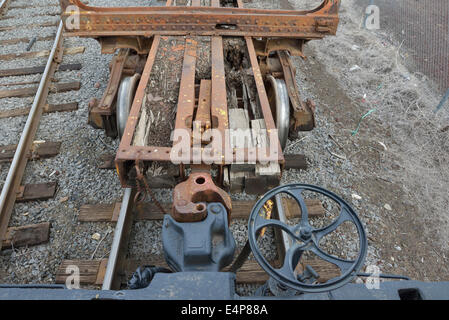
203,21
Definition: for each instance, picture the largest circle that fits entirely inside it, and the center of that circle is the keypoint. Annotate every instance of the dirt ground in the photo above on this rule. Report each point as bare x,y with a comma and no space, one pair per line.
422,27
397,160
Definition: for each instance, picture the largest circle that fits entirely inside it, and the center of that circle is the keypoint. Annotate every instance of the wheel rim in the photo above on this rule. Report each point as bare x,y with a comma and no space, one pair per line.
280,107
125,97
282,275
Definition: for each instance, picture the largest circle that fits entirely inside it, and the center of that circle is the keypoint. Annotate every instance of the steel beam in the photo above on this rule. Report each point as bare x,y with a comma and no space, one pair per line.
205,21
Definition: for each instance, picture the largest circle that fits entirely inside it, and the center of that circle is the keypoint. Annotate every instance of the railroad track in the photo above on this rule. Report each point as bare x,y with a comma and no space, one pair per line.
114,271
13,90
115,265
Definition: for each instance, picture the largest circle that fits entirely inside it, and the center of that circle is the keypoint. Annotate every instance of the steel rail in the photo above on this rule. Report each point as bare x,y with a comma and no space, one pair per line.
3,5
283,241
16,171
119,246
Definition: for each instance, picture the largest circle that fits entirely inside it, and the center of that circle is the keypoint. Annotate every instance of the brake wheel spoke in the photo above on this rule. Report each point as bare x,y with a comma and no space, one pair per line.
343,217
297,194
342,264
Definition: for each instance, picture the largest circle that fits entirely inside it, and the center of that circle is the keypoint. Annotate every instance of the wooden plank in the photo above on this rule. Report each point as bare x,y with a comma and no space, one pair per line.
295,161
260,135
29,235
239,119
38,151
37,69
265,176
49,108
45,150
31,91
96,212
291,208
39,54
39,191
88,270
141,135
150,211
25,40
240,137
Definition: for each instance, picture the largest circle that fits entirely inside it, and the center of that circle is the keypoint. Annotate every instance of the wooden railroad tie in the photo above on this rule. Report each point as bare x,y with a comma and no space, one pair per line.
38,54
31,91
35,192
92,271
49,108
28,235
37,69
39,150
25,40
149,211
32,234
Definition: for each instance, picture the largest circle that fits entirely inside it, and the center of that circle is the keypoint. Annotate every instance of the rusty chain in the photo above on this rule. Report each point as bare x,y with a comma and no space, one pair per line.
140,179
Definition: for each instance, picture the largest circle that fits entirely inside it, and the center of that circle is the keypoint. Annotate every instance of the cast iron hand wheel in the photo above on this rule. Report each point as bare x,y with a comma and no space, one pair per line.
306,238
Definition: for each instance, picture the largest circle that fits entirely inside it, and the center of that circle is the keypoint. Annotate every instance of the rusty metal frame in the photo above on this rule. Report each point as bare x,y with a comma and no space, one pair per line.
202,21
303,112
127,153
113,27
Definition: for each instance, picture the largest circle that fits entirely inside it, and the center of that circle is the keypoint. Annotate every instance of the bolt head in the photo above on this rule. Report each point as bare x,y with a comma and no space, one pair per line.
306,233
